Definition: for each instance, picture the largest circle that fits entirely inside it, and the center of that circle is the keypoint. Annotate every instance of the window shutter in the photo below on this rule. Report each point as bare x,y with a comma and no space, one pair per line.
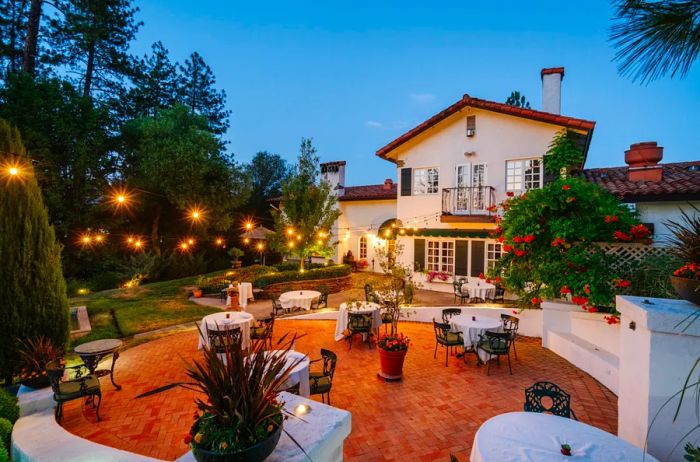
461,257
406,180
419,254
477,258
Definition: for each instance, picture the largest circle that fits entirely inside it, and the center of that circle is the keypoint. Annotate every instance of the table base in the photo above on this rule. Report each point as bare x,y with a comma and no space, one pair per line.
91,362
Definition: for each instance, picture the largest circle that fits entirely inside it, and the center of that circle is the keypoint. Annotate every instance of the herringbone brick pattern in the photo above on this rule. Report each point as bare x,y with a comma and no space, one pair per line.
433,412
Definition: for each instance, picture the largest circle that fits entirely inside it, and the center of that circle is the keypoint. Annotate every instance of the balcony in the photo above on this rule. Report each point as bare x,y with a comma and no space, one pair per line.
471,204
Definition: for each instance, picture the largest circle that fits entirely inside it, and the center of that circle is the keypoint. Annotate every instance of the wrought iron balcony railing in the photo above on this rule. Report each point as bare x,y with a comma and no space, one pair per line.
472,200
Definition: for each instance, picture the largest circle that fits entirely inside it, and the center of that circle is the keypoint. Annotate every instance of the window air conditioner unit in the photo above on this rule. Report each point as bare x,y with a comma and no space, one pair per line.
471,132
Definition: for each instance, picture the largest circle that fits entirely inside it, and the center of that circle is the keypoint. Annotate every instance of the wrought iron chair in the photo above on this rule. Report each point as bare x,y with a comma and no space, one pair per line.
460,293
445,337
360,323
499,294
387,317
323,299
447,314
510,325
82,385
561,401
221,340
263,330
495,344
321,382
277,307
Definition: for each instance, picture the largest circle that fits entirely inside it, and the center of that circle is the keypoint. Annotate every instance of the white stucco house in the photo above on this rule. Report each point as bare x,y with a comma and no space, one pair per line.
454,166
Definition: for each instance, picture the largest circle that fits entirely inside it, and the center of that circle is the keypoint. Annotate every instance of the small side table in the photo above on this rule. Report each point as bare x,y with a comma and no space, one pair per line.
93,352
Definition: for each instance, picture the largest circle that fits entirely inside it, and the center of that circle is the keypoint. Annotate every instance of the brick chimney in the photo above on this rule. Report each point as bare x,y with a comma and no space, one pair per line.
334,174
643,160
551,89
388,184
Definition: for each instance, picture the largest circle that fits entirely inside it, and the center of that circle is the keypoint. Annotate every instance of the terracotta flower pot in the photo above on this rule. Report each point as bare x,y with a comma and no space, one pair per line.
197,293
687,289
391,363
257,453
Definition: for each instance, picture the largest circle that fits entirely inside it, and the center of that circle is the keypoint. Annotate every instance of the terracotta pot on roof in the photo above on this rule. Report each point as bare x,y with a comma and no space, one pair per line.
644,154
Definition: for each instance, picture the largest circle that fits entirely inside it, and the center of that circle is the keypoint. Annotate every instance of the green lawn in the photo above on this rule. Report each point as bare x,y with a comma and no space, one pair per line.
141,309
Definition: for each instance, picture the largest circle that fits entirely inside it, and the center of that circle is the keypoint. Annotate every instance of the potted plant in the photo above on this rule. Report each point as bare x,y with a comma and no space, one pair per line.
392,352
235,253
239,416
34,355
685,244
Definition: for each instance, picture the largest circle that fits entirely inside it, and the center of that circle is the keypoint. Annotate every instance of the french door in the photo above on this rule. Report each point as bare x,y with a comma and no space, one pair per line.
470,194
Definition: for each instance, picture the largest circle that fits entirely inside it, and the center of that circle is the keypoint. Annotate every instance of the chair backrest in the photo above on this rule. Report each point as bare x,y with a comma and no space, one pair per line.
510,323
500,291
441,329
560,400
498,341
222,340
268,323
368,293
329,361
55,370
324,294
359,321
276,305
447,314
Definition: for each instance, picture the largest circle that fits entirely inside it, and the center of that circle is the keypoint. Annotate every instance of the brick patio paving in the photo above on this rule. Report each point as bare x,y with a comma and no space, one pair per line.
433,412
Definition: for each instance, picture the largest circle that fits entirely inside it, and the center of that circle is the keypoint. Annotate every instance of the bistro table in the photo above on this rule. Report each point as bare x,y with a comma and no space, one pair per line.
245,293
93,352
473,326
533,437
299,375
299,299
356,307
220,321
480,290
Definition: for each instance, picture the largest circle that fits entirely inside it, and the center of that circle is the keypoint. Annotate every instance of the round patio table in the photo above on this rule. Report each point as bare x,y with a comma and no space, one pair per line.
471,327
533,437
356,307
220,321
91,353
480,290
299,299
299,374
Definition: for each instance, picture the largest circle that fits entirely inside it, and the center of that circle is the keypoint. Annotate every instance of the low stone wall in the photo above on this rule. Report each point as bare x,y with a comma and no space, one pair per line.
334,285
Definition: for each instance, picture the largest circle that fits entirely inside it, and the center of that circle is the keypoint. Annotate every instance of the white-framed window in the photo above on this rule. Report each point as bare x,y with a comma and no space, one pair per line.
440,256
363,247
493,253
425,180
523,174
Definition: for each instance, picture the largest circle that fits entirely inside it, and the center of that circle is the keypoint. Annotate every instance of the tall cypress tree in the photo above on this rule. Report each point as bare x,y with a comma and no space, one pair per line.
33,291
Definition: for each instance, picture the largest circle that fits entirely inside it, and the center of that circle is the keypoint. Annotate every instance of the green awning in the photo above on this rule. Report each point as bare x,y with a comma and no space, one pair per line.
441,232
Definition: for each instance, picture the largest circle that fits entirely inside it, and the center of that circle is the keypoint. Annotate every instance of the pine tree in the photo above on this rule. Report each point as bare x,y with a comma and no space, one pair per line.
155,84
33,291
517,100
92,39
197,92
13,24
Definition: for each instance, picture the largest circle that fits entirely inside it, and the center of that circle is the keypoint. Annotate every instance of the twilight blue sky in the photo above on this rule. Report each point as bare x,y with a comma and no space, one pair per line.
355,75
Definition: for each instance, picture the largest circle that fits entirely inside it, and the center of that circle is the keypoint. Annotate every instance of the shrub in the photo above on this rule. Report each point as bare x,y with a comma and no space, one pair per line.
8,406
33,291
4,455
291,276
5,433
294,266
650,276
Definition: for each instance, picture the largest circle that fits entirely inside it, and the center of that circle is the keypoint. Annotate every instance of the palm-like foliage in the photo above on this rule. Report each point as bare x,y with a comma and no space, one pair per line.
685,240
656,38
240,391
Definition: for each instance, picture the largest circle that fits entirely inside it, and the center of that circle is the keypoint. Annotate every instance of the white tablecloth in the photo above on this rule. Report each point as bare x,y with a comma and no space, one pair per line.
299,298
299,374
472,329
388,295
532,437
236,319
480,289
245,293
357,307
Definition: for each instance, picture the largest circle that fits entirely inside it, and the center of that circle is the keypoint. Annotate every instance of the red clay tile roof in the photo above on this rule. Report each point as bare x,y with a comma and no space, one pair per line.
368,192
678,183
468,101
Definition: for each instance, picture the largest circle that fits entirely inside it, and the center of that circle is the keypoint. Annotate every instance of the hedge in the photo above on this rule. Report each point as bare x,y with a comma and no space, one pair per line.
294,266
8,406
4,455
5,432
327,272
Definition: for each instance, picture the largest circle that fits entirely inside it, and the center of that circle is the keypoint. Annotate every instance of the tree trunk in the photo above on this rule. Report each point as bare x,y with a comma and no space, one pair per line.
154,229
32,38
89,70
301,261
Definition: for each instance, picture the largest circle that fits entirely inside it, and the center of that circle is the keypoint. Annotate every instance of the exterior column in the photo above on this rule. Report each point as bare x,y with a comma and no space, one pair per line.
658,348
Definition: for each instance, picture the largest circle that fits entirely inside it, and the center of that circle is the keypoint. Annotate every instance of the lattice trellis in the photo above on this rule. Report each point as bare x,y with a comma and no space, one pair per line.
626,254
